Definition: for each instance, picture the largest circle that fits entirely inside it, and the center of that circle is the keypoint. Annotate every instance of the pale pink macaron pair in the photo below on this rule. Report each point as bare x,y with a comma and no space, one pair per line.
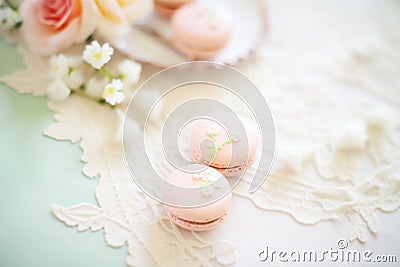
201,31
222,156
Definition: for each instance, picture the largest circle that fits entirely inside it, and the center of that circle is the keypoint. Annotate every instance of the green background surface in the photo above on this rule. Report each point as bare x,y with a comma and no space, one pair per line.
35,172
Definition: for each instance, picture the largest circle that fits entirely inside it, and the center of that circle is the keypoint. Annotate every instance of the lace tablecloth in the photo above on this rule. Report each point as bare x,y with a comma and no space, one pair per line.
330,72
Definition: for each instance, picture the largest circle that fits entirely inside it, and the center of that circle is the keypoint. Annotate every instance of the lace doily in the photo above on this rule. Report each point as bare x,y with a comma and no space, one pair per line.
329,71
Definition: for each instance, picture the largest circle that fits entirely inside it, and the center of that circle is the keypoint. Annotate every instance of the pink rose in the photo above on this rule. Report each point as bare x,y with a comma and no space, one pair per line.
52,25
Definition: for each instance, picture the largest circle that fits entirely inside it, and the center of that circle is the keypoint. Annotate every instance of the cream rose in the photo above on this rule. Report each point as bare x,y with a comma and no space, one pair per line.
52,25
117,15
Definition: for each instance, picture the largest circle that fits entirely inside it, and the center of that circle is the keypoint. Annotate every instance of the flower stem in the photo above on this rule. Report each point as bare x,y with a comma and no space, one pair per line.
11,5
107,73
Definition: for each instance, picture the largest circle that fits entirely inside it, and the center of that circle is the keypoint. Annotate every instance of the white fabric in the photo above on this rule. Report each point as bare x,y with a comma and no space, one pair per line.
330,72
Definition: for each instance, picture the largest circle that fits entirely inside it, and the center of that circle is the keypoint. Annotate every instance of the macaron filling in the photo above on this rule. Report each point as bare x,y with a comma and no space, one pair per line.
190,222
221,167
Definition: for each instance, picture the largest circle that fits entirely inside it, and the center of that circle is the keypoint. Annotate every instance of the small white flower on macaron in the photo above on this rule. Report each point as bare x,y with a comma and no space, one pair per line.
197,177
206,191
212,131
235,138
96,55
112,92
58,90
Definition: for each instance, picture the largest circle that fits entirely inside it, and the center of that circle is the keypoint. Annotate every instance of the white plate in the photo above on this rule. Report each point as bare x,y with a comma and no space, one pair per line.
152,41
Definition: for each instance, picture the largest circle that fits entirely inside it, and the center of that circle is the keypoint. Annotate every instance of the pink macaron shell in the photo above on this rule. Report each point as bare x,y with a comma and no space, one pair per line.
201,29
193,54
167,7
202,218
164,11
192,226
233,157
171,3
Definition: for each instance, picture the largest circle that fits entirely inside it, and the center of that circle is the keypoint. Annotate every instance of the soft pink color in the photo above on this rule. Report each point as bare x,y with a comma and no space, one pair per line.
197,219
168,7
52,25
200,31
116,16
233,157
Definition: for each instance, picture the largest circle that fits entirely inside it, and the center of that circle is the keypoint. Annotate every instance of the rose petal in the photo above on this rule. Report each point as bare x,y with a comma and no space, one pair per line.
45,35
89,20
138,10
111,10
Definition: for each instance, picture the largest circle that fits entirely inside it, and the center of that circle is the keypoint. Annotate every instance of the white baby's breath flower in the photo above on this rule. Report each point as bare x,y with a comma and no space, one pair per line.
95,86
66,69
75,79
58,90
9,18
59,66
75,61
112,92
130,71
96,55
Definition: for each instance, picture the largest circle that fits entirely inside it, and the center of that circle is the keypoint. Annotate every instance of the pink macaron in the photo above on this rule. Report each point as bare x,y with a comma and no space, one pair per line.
201,31
210,184
168,7
230,154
